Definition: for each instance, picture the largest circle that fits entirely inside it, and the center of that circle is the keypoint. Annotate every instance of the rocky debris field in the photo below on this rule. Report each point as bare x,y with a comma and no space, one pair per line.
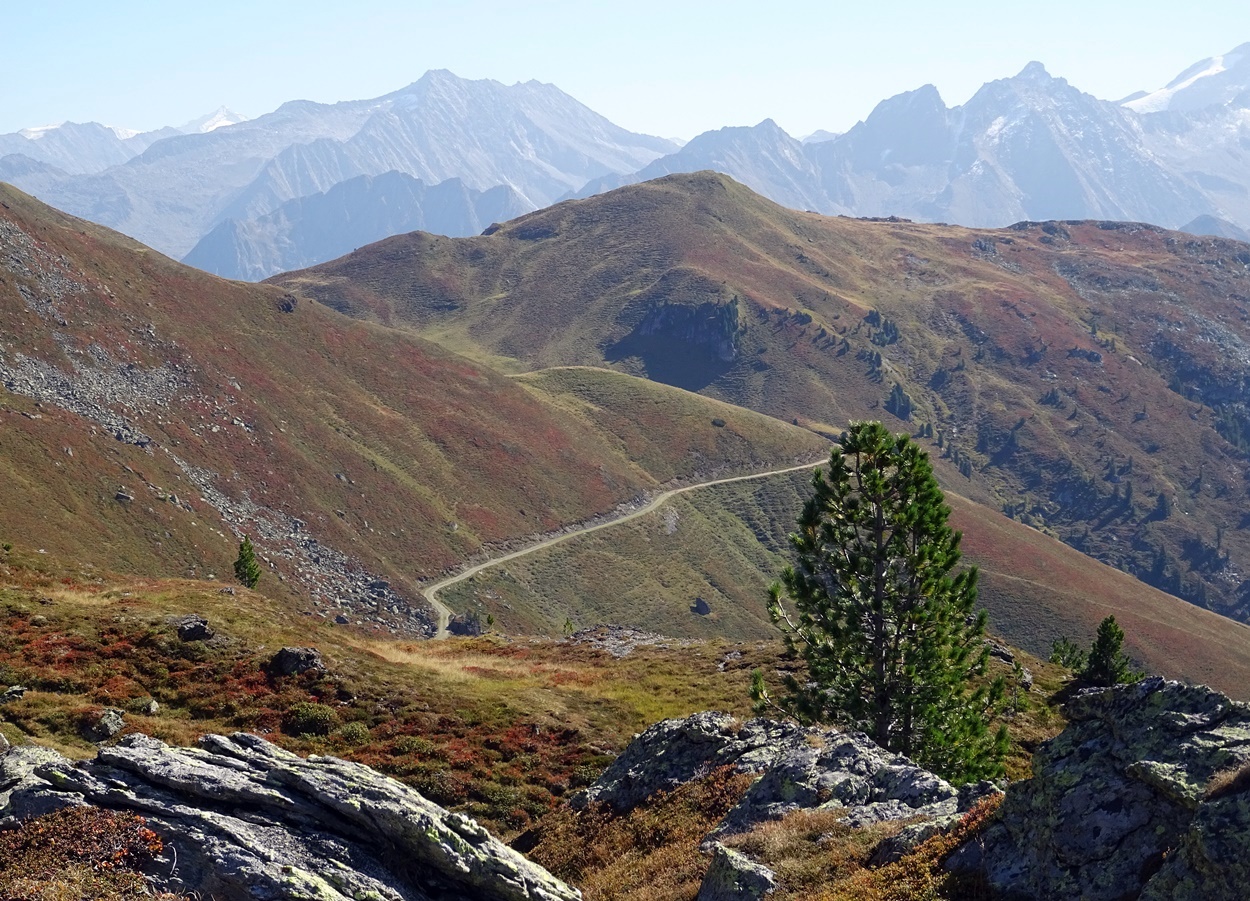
113,388
243,820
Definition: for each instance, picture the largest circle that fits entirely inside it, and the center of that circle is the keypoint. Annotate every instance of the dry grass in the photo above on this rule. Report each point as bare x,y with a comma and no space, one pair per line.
501,730
652,852
811,849
1232,781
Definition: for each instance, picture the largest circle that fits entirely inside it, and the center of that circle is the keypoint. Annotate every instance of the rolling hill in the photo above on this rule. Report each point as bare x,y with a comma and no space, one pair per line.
154,414
1086,378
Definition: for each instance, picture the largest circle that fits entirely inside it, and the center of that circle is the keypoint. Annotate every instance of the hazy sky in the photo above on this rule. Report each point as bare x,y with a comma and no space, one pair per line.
672,68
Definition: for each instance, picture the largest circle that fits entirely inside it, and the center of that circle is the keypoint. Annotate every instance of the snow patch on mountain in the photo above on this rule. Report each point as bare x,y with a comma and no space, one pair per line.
218,118
1212,81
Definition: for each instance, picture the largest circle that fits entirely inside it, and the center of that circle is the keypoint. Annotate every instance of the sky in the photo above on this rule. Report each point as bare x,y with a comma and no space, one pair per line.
674,68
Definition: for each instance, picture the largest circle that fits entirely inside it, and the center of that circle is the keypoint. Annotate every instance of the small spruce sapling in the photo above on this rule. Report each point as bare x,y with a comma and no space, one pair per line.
246,569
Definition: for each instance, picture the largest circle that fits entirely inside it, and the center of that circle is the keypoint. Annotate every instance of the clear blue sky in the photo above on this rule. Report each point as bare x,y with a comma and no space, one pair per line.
673,68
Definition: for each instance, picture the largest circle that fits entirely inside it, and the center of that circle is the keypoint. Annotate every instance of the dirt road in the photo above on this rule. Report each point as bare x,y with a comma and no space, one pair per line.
443,612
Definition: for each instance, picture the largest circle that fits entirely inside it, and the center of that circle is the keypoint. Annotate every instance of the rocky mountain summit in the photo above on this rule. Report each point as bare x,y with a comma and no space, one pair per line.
243,819
1137,798
532,137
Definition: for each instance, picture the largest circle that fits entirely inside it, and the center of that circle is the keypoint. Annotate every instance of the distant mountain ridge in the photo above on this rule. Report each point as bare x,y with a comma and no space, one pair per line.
1030,147
83,148
1026,148
529,136
352,213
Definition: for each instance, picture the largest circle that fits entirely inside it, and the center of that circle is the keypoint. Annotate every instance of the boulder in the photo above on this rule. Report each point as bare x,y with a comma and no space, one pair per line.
243,820
13,693
674,752
293,661
735,877
816,768
193,627
103,726
1116,805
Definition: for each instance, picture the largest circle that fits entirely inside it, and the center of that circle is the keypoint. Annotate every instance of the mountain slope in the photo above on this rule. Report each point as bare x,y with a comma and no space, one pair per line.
352,213
154,414
1086,378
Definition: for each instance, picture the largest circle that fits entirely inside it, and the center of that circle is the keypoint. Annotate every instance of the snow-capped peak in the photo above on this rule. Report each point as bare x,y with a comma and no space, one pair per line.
37,132
219,118
1212,81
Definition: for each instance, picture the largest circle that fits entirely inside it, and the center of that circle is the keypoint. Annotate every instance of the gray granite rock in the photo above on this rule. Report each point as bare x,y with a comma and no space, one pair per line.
735,877
106,725
817,768
247,821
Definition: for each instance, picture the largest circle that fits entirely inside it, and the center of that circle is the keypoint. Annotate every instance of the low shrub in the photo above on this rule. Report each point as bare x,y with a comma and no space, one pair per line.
80,853
309,718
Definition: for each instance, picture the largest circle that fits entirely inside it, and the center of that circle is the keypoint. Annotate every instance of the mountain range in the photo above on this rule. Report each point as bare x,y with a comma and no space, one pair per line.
350,214
1029,147
531,137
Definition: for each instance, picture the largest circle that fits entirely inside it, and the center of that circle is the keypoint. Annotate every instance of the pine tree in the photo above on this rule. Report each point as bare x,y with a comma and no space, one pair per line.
246,569
890,638
1107,664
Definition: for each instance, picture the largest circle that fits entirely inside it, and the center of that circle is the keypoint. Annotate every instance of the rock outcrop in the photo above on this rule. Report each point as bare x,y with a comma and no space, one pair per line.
735,877
800,769
1116,808
244,820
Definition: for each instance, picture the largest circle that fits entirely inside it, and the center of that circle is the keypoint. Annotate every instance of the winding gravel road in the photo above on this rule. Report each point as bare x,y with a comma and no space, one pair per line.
443,612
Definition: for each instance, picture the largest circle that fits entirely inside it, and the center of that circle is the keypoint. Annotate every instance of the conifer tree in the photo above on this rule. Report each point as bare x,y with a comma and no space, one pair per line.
246,569
1107,664
890,637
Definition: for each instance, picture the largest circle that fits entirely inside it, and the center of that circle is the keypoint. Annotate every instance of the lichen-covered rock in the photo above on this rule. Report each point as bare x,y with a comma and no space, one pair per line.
108,723
1213,860
193,627
735,877
245,821
22,793
1117,791
843,770
674,752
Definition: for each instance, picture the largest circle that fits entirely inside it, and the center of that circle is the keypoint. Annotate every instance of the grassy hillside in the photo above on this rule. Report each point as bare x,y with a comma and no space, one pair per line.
498,729
154,414
1086,378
